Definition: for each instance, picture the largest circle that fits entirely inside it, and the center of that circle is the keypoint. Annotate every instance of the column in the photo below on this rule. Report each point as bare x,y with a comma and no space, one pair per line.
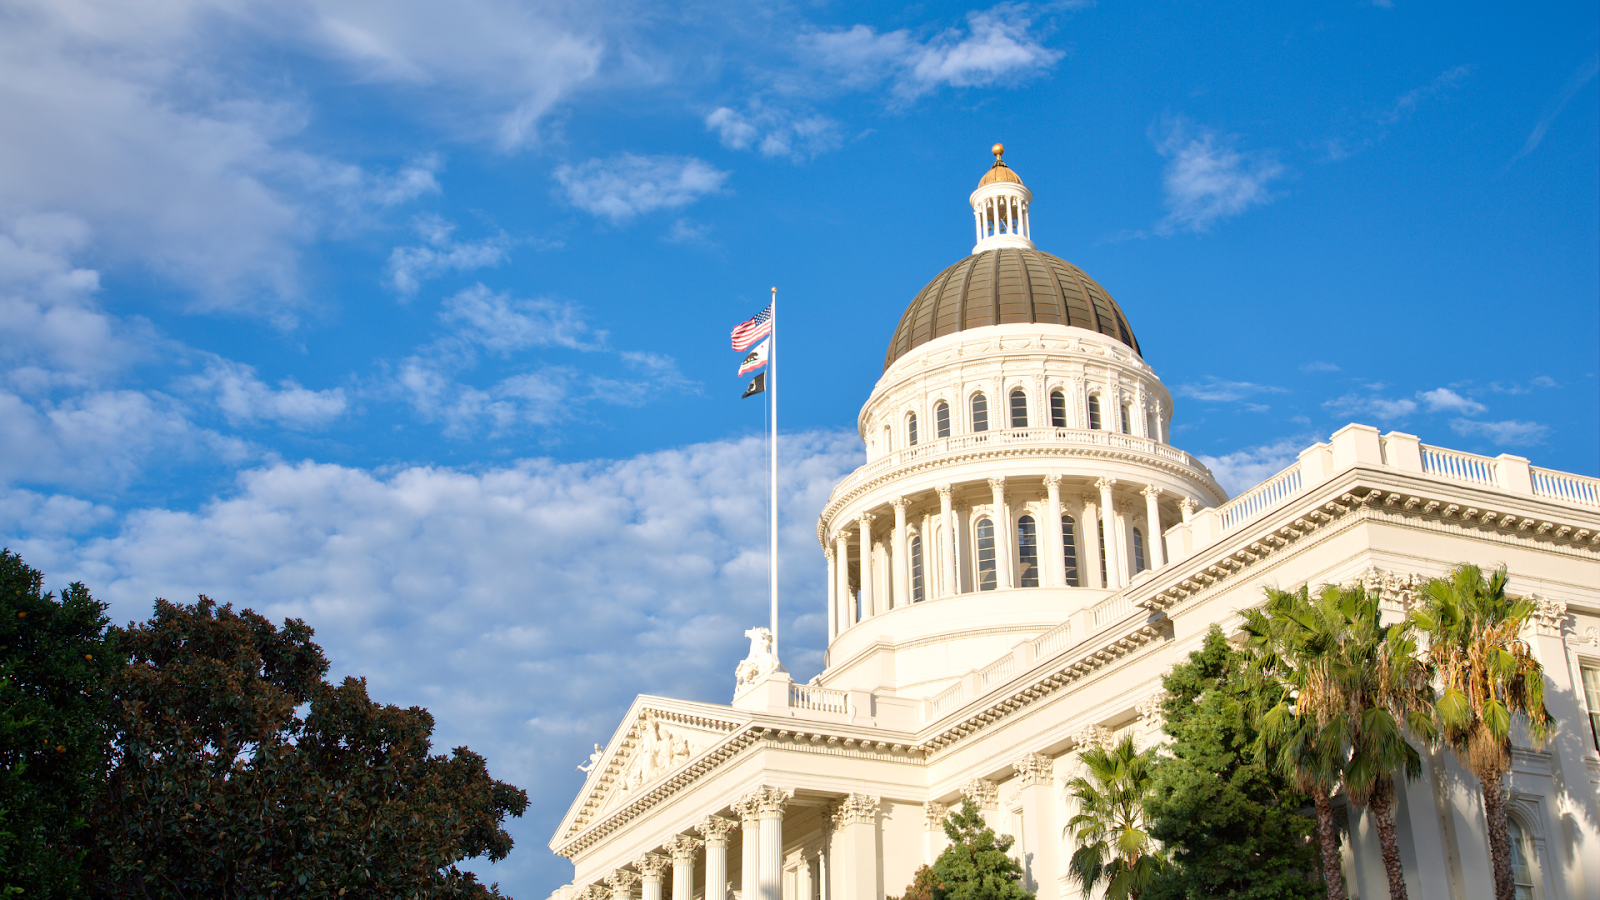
1089,530
841,559
1154,547
621,883
1036,780
1002,533
856,820
750,847
947,543
1108,531
833,596
1161,424
715,829
881,564
1054,556
864,575
683,848
1122,554
899,558
802,878
651,867
933,816
769,810
1188,506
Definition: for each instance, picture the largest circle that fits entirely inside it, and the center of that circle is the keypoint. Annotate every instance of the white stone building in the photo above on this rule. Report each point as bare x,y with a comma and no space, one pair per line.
1021,558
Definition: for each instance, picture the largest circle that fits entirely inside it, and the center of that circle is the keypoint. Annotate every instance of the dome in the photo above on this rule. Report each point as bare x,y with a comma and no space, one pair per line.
1005,286
999,172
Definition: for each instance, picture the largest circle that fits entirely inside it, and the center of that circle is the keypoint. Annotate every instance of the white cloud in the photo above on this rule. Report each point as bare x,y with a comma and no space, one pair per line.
503,324
1208,179
688,231
1319,366
621,187
1509,433
1241,470
410,266
1446,399
523,605
1381,408
774,131
246,400
1585,73
1217,391
1407,103
997,47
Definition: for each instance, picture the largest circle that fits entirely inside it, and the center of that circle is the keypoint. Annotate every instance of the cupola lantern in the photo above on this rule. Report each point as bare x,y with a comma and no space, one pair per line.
1000,207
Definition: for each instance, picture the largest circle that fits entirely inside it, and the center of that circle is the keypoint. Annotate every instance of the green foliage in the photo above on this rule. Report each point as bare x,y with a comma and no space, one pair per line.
976,866
1114,845
237,772
54,663
1231,823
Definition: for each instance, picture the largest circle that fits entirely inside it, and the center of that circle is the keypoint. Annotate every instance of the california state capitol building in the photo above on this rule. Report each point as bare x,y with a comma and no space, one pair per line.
1021,558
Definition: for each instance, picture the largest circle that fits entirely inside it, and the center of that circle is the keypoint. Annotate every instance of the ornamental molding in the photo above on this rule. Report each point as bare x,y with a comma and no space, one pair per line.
856,809
1394,591
716,830
652,865
766,803
934,814
682,848
1034,768
1549,616
621,880
984,793
1093,736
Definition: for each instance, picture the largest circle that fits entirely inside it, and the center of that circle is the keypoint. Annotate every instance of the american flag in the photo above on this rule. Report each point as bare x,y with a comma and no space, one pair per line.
754,330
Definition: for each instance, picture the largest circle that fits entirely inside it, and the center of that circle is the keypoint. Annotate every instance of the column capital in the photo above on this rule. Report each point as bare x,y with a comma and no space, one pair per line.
683,847
652,865
746,808
900,504
715,829
934,814
1034,768
998,484
855,809
866,520
767,802
621,880
827,553
843,534
1092,736
1149,708
983,792
945,490
595,892
1188,505
1052,481
1151,492
1106,483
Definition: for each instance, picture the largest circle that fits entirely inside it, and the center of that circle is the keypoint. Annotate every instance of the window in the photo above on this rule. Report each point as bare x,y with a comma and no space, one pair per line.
1150,429
941,420
916,568
1058,409
1138,552
1069,549
1591,694
1094,412
888,442
986,571
980,413
1127,419
1019,409
1027,553
911,430
1521,856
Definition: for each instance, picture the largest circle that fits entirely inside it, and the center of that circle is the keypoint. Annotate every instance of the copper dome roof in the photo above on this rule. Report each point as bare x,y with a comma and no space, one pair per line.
1006,286
999,172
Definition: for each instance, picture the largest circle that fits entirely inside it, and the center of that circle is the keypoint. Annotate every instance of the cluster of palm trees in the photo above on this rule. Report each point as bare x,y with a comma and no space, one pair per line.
1346,698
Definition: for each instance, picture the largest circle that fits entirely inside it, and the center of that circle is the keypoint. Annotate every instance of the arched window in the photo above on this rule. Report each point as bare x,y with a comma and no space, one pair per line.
1094,411
980,413
1150,429
1027,553
1058,409
1069,549
1127,418
911,430
916,569
1019,409
986,571
1138,552
941,420
1521,861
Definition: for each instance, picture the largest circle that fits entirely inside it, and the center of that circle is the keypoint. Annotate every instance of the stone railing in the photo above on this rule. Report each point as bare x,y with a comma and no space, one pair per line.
804,696
1458,466
947,699
1260,498
997,672
1565,486
1111,609
1053,641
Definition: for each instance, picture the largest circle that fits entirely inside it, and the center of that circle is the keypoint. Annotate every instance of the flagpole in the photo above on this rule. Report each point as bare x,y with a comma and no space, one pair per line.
772,398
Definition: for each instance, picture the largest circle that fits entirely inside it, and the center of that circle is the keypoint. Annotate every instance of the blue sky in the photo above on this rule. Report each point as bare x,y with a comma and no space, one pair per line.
411,319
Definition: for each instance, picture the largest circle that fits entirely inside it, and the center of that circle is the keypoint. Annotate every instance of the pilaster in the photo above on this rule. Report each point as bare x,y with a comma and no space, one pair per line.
1036,781
855,818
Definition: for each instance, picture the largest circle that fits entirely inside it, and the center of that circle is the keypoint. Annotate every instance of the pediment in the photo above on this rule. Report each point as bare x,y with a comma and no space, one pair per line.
655,739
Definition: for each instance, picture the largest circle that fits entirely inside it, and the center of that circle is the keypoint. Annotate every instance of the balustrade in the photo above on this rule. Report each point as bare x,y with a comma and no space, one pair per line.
997,672
1260,498
1565,486
1458,466
805,696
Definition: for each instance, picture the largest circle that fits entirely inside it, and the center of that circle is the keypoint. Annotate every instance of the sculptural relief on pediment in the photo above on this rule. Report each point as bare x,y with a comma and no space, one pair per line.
656,747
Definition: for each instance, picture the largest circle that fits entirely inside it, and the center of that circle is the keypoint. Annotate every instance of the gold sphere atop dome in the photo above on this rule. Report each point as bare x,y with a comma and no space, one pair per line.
999,171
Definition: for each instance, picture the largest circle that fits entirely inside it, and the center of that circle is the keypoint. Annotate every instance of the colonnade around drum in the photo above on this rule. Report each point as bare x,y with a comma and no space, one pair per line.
995,534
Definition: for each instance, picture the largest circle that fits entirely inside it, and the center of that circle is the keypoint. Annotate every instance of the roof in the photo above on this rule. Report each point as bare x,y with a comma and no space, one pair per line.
999,172
1006,286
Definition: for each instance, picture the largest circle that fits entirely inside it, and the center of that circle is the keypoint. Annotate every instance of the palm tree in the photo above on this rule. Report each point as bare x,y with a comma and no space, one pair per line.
1487,676
1113,842
1310,755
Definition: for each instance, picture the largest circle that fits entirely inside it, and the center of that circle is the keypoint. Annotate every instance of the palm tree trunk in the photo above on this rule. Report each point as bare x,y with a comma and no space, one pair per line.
1381,805
1328,844
1494,810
